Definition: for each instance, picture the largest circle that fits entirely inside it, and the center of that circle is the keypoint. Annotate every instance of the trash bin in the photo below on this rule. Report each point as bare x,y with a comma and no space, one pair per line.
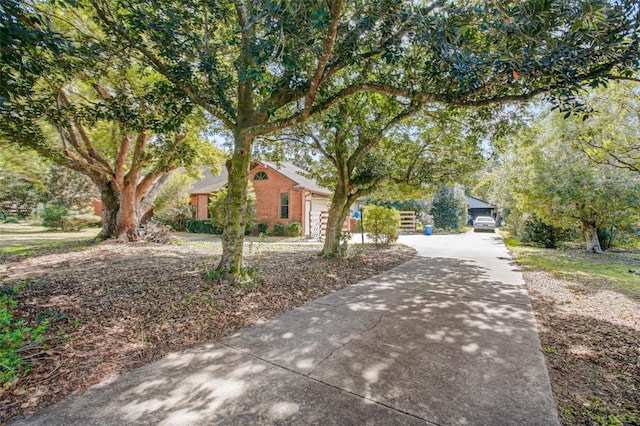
428,229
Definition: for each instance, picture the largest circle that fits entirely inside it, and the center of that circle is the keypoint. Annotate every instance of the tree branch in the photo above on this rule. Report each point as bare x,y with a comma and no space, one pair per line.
327,49
368,144
186,87
121,160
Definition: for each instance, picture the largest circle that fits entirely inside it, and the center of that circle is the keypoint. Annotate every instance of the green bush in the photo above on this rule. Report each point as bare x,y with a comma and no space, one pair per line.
533,230
203,226
381,223
294,229
278,229
16,339
263,229
53,216
176,217
173,206
606,237
57,216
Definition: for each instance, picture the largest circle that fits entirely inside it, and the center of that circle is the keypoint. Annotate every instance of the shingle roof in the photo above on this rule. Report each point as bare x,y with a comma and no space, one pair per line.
210,183
477,203
297,175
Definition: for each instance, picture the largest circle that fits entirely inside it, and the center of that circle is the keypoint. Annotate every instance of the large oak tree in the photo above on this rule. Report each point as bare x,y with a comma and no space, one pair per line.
75,99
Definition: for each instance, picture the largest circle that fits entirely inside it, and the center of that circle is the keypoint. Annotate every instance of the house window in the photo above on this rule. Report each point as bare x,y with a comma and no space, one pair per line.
284,206
260,176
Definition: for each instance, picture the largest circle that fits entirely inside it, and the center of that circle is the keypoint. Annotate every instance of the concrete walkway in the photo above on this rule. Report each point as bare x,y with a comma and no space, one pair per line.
446,338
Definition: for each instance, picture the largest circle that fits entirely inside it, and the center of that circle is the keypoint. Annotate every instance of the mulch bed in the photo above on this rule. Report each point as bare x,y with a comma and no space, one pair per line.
590,336
114,307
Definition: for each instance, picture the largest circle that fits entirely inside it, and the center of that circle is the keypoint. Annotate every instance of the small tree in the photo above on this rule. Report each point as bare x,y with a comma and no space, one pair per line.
449,208
173,205
381,223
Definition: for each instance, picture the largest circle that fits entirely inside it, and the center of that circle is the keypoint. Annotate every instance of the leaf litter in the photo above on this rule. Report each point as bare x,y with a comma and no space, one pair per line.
114,307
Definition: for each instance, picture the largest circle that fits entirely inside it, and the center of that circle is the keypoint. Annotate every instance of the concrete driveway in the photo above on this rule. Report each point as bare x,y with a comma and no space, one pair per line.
446,338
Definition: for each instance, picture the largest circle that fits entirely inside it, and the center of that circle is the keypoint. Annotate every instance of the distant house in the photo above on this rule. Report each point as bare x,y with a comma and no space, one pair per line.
477,207
284,194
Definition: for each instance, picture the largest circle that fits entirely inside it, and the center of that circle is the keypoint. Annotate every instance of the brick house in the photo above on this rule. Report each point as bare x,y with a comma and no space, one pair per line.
283,194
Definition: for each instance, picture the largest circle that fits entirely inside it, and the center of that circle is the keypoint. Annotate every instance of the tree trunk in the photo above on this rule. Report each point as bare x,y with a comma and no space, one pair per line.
235,208
110,206
145,209
590,232
337,213
127,219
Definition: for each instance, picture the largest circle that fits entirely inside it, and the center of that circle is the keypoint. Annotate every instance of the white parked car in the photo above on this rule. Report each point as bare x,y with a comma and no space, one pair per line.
484,223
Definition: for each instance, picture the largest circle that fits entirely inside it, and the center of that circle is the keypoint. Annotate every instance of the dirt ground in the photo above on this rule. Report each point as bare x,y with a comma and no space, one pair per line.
590,336
113,307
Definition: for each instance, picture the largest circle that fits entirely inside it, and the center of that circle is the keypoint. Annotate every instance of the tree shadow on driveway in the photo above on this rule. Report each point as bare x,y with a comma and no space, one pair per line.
433,340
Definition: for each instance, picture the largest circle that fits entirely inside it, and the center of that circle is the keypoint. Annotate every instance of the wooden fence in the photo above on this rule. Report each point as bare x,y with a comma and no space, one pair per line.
408,221
319,223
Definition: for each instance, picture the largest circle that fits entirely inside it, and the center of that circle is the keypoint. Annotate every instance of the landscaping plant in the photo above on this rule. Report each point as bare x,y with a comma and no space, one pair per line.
381,223
17,339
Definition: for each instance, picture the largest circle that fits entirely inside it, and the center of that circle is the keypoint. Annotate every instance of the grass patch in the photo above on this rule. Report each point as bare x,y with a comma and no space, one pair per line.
36,248
609,268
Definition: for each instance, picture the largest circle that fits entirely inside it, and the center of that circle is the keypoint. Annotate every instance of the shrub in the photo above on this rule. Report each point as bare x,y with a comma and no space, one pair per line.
173,206
203,226
263,229
294,229
382,224
278,229
16,339
57,216
607,236
52,216
176,217
534,230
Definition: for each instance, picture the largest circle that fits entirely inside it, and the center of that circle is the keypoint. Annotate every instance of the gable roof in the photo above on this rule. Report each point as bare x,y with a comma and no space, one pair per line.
477,203
297,175
210,182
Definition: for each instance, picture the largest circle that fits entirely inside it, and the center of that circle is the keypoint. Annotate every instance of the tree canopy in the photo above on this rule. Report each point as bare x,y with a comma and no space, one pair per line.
549,177
611,133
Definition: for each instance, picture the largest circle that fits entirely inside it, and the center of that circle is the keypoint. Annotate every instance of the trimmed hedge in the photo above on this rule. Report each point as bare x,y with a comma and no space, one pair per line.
203,226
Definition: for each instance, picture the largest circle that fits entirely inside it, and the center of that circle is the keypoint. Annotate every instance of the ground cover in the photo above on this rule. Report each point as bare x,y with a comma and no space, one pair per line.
112,307
588,312
20,239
